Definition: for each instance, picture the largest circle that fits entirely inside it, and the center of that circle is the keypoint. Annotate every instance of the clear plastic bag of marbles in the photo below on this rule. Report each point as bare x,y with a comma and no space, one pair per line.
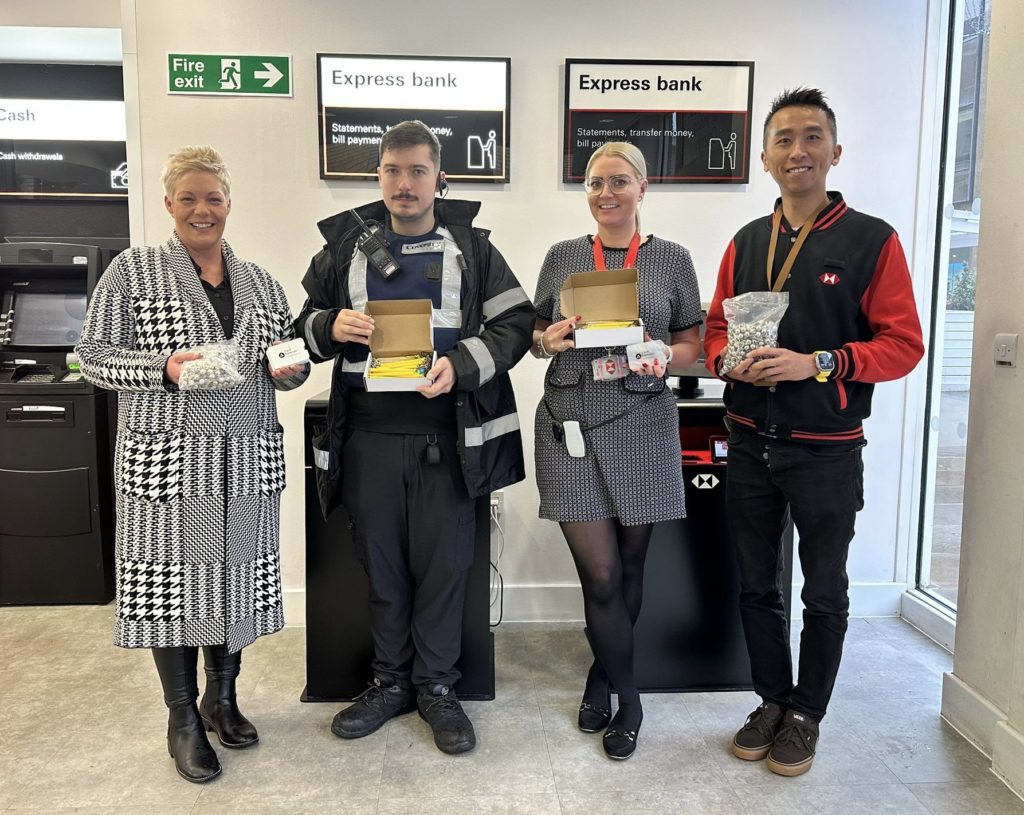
216,370
753,320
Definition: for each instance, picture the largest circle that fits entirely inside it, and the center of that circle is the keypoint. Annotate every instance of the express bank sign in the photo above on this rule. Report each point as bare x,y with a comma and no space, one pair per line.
691,120
463,100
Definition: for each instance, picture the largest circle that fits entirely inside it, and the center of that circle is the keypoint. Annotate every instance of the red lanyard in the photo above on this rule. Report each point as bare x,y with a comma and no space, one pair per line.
631,253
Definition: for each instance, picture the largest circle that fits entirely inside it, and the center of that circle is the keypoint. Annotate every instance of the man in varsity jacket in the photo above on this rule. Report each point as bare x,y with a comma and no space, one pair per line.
408,466
795,414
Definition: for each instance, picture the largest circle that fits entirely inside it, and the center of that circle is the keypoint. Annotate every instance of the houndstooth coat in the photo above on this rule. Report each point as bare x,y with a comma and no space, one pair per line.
198,474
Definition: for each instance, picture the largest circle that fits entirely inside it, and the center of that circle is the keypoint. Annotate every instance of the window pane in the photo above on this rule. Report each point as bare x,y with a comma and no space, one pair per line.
950,349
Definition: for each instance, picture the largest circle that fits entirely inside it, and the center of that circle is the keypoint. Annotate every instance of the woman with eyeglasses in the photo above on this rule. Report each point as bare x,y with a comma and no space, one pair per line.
629,476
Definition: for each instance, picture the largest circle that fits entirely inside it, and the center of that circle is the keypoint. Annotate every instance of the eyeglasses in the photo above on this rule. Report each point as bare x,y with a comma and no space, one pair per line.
618,184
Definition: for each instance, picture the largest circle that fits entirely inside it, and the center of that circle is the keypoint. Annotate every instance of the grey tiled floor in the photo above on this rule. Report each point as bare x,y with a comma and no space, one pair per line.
81,729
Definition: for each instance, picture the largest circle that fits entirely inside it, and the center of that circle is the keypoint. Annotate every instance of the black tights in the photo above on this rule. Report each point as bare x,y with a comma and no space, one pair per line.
610,561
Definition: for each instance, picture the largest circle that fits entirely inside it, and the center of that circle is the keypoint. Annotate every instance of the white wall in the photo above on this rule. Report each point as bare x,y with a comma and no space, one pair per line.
61,13
872,72
984,695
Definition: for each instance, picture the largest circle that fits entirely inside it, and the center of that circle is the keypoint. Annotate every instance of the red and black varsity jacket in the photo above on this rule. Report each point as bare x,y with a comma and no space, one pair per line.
849,293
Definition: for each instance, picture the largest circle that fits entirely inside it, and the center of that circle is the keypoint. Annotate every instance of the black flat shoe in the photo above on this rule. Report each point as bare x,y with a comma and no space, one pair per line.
596,707
620,743
592,718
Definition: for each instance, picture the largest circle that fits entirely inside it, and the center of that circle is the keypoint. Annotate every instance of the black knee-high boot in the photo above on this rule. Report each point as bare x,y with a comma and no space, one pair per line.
219,707
187,743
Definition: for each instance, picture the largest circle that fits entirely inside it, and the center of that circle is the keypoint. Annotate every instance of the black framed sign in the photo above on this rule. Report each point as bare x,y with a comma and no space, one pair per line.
63,148
464,100
691,120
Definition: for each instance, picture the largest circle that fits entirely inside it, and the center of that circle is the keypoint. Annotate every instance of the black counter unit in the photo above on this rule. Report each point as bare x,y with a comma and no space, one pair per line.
339,647
689,636
56,432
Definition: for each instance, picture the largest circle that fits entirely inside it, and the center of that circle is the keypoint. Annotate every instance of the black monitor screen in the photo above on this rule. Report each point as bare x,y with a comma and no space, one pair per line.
47,318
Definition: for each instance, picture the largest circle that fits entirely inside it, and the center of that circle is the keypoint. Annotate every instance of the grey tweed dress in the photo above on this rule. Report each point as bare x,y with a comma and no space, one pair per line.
632,470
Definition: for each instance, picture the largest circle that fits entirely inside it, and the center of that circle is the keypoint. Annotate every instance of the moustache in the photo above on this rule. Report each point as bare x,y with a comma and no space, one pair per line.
403,197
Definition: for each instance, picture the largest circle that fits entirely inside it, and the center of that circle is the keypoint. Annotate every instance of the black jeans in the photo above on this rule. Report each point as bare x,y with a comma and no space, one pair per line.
822,486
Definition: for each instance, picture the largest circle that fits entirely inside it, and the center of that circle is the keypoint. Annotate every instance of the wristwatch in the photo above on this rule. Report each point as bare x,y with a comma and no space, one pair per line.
825,362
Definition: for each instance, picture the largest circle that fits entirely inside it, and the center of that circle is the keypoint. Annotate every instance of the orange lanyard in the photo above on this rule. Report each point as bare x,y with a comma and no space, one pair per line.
794,250
631,253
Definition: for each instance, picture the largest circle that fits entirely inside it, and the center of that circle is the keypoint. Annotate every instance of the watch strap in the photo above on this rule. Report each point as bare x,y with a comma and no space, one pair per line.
822,376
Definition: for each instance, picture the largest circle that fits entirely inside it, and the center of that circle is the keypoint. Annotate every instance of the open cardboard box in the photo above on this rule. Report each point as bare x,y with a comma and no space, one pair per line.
401,328
603,297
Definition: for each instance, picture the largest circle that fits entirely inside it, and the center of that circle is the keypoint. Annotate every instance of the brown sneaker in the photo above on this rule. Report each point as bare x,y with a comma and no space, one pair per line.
754,739
793,750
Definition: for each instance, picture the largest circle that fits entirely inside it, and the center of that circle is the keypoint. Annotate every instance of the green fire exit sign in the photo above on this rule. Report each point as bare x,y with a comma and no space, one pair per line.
229,74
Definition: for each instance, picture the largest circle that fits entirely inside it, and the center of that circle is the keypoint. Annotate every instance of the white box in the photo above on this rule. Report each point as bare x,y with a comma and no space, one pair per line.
609,296
401,328
282,354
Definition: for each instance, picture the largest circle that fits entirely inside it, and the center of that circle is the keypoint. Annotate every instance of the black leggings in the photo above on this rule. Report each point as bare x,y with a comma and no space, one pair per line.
610,561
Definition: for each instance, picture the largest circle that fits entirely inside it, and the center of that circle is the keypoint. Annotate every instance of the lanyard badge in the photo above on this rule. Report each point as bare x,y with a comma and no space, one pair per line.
610,368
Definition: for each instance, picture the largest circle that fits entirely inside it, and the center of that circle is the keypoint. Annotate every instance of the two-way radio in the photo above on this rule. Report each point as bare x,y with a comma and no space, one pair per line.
372,244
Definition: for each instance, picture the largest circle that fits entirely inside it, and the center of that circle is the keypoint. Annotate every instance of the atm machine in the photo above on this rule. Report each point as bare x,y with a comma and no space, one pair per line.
56,431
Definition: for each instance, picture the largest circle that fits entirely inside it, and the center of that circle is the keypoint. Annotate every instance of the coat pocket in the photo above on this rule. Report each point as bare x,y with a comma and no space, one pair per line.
149,465
255,464
271,467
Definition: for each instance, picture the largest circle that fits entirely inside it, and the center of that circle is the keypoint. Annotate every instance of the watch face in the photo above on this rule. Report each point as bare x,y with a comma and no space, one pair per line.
825,361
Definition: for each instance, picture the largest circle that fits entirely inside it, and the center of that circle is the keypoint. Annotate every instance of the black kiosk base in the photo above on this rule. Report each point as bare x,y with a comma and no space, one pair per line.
689,636
339,647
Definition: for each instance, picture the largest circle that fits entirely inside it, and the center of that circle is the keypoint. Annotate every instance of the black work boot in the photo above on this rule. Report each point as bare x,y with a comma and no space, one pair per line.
378,704
194,757
219,707
453,731
753,741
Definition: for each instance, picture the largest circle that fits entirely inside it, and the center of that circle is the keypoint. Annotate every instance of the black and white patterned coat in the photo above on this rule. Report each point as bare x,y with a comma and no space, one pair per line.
198,474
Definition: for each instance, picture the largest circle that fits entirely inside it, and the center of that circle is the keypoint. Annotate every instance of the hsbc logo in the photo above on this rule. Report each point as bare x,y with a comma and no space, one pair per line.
829,278
704,481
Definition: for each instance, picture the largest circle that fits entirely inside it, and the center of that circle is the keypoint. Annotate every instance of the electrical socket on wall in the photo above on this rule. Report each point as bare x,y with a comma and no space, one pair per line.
497,504
1005,350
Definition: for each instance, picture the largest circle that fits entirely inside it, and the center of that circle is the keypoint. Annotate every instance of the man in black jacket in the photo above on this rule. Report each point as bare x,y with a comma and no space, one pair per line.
408,466
795,414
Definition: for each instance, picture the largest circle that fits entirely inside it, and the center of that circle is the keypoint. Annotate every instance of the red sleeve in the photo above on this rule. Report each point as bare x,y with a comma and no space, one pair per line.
888,303
716,335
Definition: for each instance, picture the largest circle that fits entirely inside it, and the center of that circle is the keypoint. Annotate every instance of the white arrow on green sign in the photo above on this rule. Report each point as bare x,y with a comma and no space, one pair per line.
229,74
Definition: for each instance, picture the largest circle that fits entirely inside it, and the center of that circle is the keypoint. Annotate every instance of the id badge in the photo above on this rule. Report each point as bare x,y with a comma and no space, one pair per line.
611,367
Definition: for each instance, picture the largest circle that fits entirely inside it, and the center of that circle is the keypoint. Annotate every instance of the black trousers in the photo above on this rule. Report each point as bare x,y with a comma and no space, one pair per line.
822,486
414,527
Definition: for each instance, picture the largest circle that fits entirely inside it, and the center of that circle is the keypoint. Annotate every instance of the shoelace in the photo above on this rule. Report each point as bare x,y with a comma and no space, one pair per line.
445,705
796,733
374,697
759,721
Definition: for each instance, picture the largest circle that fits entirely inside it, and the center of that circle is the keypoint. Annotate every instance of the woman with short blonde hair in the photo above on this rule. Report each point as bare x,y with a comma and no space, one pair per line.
199,472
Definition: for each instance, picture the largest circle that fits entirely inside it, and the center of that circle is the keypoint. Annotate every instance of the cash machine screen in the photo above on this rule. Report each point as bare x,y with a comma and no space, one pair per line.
47,318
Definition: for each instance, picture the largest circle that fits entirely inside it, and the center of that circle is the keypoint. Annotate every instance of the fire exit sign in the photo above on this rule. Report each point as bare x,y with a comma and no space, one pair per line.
229,74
